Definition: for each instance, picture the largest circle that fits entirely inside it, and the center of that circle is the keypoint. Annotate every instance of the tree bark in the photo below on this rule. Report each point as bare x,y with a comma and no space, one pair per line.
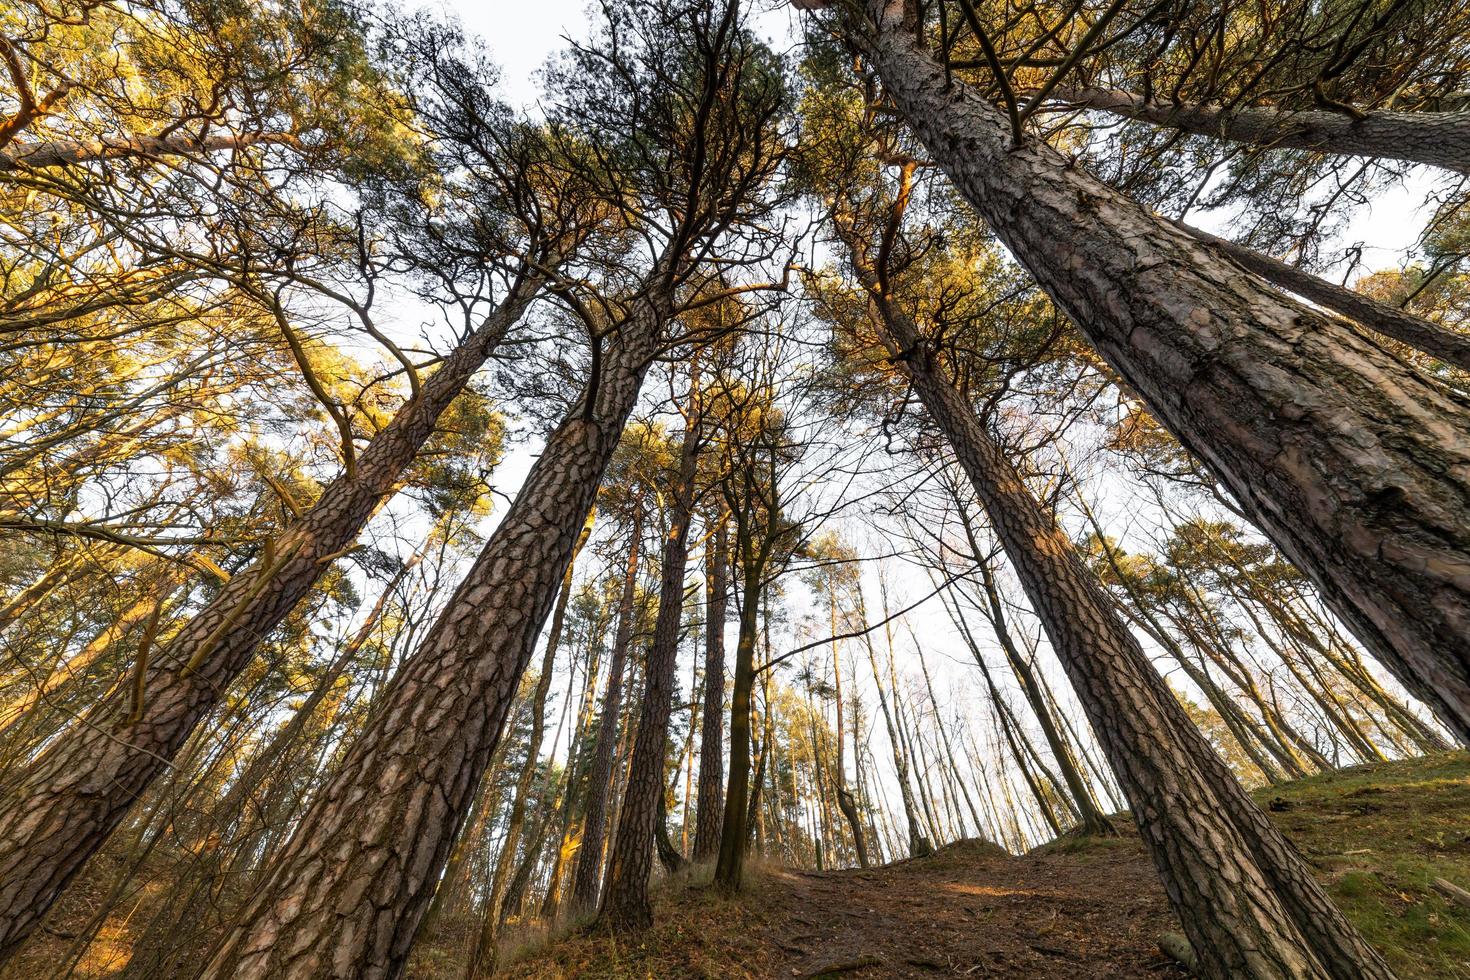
482,957
65,804
626,907
1421,334
1246,899
1357,467
710,812
1439,139
587,877
346,893
730,865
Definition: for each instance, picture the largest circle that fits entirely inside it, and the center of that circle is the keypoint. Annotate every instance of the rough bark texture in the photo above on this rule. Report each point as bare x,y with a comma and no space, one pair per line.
587,877
346,893
1357,467
61,808
1440,139
482,957
1092,819
1248,902
710,812
1421,334
626,906
730,865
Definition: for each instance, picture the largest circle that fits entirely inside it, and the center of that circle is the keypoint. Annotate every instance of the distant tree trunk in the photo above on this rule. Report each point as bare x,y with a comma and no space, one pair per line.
567,844
668,855
626,907
845,801
54,577
345,895
1248,902
587,877
1440,139
710,800
730,866
918,843
66,803
1355,465
1092,819
952,767
482,957
157,588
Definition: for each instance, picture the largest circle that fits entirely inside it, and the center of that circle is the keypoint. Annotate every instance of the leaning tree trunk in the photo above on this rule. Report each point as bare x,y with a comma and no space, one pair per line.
919,845
710,812
1423,335
587,877
1440,139
347,891
482,957
1356,466
61,809
1093,821
1247,900
626,907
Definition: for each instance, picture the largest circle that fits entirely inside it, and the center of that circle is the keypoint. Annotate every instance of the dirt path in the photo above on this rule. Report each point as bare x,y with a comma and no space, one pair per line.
972,911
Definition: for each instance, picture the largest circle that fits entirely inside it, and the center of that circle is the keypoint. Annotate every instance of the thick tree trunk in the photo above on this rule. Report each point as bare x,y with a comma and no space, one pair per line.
710,812
1421,334
1357,467
587,877
626,907
63,806
346,893
482,957
1439,139
1247,900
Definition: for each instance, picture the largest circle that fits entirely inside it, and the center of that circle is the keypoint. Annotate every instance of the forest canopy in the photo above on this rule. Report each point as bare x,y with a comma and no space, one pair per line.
436,519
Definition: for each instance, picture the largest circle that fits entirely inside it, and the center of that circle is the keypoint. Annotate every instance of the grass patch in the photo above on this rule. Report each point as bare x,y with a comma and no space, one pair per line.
1377,837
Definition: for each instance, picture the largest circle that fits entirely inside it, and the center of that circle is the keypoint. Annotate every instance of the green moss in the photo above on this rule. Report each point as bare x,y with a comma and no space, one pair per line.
1378,836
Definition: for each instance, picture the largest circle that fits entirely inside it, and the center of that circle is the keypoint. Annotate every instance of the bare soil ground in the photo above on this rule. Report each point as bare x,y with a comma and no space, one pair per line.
972,910
1074,909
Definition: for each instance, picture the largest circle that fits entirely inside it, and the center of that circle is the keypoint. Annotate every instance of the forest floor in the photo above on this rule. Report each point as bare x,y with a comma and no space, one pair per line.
1076,908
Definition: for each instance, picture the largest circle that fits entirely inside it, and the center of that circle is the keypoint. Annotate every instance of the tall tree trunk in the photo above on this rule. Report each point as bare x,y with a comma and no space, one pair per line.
710,801
63,806
1440,139
587,877
54,577
1092,819
626,906
346,893
844,798
1421,334
1248,901
1356,466
918,844
482,957
730,865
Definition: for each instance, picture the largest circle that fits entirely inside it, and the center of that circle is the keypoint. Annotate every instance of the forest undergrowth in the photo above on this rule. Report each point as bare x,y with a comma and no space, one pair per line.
1377,836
